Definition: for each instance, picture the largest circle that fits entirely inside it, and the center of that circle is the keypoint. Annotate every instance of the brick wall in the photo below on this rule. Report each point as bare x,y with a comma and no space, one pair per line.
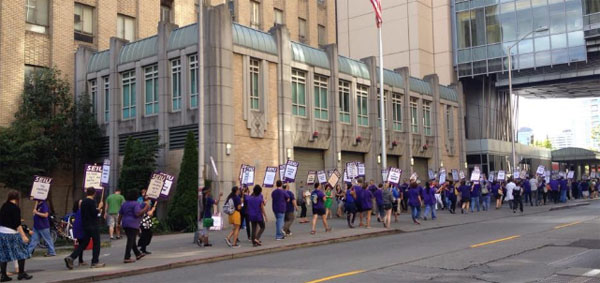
184,12
107,22
12,20
127,7
148,23
37,49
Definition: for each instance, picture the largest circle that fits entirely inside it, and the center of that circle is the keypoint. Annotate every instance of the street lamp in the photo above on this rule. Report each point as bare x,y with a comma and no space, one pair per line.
513,105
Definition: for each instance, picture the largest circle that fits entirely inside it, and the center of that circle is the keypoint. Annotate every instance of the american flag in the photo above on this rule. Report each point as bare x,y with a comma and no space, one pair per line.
377,7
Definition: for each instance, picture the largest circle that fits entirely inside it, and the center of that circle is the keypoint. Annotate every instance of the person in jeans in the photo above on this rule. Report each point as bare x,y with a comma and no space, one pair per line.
429,200
130,215
91,231
290,211
113,205
414,200
256,214
475,193
41,228
533,184
279,204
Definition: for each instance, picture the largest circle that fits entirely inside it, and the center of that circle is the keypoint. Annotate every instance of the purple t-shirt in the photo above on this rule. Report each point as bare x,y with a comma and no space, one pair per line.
39,222
476,190
358,190
366,200
77,227
129,211
465,191
413,197
317,199
279,198
379,197
429,196
554,185
253,208
290,204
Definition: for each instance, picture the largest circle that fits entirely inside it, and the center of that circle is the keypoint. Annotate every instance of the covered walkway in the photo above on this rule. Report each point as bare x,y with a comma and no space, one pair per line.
582,161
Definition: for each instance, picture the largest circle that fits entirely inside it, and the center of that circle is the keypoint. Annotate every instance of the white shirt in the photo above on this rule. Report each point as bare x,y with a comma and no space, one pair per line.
534,184
509,191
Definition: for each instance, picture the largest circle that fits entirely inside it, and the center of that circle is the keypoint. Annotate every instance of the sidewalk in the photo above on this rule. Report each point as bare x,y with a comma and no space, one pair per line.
177,250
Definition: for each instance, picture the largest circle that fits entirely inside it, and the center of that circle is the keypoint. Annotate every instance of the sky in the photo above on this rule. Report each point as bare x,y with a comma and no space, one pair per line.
547,117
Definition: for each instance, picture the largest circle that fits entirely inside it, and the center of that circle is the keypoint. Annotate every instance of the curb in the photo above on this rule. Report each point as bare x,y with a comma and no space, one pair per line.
190,262
569,206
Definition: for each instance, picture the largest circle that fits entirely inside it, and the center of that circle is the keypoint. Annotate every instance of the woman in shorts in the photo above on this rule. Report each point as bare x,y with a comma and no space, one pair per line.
318,204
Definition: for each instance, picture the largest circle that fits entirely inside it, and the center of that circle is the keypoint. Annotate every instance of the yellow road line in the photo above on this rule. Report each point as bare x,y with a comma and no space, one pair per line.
568,224
495,241
337,276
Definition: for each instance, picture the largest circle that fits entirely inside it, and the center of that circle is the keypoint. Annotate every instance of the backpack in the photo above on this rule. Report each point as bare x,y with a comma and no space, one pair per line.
228,207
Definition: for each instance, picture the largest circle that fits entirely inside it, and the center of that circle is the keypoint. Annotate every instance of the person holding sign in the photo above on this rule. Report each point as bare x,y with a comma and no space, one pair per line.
146,225
207,212
414,200
318,202
256,214
41,228
13,241
91,231
130,215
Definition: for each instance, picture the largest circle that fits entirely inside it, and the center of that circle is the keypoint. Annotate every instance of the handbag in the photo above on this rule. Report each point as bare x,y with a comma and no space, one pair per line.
208,222
146,222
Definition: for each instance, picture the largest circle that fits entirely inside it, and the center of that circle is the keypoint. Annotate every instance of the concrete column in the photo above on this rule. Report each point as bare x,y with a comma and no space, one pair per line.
218,93
115,113
434,82
285,123
331,154
82,57
164,93
461,126
408,136
371,165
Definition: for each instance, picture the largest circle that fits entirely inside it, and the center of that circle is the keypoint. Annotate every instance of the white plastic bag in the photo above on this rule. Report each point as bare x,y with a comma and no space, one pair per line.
217,222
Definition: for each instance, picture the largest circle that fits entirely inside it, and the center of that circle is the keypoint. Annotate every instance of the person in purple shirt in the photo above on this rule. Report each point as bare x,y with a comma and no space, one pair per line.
497,193
475,192
350,205
378,194
77,229
130,215
317,198
290,211
429,200
358,189
367,206
563,189
41,228
373,188
279,200
465,196
256,214
414,200
527,191
554,186
207,208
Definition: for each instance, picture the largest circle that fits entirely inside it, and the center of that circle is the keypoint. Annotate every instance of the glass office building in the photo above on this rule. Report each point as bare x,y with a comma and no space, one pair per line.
484,29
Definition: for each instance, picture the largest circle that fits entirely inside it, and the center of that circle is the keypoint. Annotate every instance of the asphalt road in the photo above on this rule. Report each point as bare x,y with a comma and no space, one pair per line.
553,246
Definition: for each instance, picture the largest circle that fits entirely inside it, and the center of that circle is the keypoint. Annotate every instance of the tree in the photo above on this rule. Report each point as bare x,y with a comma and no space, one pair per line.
138,164
182,211
544,144
45,132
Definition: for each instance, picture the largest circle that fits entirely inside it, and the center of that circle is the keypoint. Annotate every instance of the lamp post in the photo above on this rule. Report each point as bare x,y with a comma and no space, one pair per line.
510,92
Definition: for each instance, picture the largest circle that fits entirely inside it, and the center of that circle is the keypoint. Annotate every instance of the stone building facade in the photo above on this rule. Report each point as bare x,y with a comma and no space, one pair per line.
268,98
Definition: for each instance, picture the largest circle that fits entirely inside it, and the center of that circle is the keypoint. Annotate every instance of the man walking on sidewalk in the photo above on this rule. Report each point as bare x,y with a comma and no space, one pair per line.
113,205
279,198
290,211
89,222
533,184
41,228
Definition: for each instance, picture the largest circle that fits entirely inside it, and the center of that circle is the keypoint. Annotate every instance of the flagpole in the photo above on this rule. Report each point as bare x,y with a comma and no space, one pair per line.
381,104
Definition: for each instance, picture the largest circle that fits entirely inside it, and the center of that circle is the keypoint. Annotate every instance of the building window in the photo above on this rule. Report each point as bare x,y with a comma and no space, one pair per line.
449,124
36,15
165,13
477,27
414,116
463,20
126,27
322,32
427,118
379,107
396,111
106,99
344,96
254,75
362,109
31,69
176,84
591,6
193,81
128,81
320,98
231,6
492,25
84,23
254,14
302,29
298,93
151,90
93,95
278,17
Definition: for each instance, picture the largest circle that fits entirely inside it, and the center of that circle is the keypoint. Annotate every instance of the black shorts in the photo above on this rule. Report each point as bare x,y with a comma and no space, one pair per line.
319,211
387,206
395,206
463,200
350,207
358,206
